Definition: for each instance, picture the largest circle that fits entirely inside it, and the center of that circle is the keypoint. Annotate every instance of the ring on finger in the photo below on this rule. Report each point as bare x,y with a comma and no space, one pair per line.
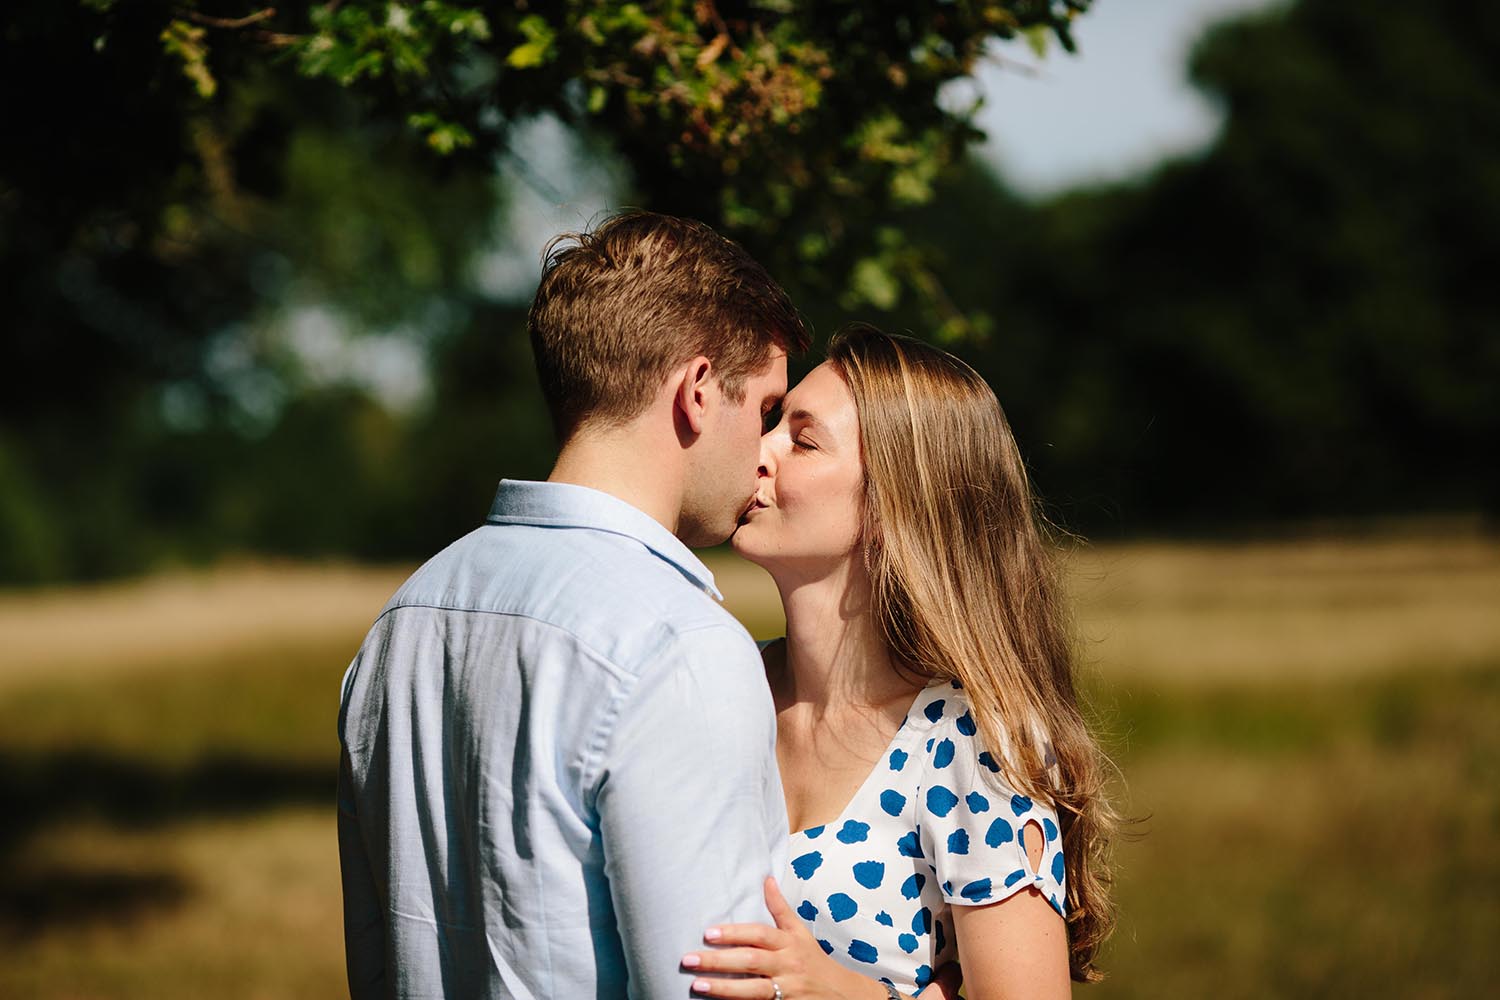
776,991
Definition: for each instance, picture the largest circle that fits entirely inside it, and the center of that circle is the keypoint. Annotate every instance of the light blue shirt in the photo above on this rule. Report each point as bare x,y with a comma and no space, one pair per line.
558,763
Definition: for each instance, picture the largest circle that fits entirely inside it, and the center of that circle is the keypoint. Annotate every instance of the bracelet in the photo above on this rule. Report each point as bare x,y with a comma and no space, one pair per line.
891,992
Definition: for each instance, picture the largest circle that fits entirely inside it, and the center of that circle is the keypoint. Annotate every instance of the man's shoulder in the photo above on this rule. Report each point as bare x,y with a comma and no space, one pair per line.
609,592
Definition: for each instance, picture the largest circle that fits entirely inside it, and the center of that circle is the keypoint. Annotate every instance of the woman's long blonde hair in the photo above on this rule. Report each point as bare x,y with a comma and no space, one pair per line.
964,589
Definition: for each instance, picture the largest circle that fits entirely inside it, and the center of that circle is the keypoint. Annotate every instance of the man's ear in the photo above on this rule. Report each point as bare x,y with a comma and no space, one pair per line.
694,391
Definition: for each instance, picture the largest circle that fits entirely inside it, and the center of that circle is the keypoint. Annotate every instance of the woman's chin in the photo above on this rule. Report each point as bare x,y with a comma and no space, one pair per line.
743,543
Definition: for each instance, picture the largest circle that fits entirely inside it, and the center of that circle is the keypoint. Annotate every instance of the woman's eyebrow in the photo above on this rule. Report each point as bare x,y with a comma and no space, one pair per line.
805,416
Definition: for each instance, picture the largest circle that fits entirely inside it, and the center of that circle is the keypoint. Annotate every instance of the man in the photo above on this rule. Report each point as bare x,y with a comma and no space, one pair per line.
558,749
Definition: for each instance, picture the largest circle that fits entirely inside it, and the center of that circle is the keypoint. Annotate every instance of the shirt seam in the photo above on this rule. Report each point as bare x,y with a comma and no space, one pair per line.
675,629
703,582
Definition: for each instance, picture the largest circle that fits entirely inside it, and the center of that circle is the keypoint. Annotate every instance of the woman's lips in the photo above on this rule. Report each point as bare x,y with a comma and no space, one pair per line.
756,503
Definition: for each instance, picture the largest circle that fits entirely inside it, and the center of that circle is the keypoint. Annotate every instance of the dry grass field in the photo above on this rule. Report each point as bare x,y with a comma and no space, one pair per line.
1310,731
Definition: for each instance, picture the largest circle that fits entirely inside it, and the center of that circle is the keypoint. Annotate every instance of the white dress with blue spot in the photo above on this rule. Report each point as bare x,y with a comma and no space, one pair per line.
934,826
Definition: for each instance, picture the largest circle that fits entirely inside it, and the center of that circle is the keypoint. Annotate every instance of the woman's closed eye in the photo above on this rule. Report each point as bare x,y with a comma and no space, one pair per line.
803,443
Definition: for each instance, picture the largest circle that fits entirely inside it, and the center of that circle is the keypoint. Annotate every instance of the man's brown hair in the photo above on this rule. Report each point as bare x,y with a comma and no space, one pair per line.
620,306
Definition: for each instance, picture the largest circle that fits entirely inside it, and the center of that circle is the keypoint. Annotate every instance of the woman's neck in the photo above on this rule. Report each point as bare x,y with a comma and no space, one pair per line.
836,656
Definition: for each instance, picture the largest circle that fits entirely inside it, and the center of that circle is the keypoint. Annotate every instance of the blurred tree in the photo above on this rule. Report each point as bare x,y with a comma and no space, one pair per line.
1298,322
201,165
1295,323
793,127
149,237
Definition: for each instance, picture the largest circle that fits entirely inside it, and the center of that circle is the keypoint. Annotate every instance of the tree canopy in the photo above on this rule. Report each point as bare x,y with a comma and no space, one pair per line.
1294,323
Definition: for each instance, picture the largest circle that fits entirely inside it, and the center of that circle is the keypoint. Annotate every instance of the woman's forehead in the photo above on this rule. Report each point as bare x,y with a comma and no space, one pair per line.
822,392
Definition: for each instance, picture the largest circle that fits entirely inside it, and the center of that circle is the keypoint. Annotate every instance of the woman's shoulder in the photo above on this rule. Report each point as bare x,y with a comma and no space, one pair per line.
942,706
953,749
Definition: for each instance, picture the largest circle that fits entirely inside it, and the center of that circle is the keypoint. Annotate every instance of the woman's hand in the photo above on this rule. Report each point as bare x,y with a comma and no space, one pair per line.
789,956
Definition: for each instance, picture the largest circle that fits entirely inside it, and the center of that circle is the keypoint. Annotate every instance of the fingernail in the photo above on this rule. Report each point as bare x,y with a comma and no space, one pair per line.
691,961
702,985
712,934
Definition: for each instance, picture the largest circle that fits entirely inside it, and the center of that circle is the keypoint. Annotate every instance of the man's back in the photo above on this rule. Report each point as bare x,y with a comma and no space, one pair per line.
558,763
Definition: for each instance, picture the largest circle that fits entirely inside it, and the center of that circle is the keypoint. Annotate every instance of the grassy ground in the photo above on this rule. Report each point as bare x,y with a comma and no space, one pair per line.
1312,730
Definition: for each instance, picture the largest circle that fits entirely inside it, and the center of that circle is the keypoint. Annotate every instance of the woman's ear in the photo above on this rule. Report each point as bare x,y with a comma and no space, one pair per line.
694,387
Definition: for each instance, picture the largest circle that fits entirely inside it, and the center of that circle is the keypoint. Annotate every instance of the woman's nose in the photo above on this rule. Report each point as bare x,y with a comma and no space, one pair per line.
767,466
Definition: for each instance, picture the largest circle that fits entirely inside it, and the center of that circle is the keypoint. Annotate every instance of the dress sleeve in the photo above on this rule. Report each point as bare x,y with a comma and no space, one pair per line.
971,822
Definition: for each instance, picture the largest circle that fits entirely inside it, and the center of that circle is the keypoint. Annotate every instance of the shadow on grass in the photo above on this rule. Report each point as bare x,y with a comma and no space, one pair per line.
39,790
34,902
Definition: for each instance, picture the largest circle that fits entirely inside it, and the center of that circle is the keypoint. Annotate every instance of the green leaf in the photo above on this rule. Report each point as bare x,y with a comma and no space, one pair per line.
539,47
873,282
1038,37
185,41
442,136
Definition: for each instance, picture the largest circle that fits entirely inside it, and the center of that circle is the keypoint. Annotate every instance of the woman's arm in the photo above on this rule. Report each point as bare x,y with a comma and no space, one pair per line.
1017,947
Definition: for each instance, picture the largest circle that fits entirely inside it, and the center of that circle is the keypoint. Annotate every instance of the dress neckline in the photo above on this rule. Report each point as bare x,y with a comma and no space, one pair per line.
913,721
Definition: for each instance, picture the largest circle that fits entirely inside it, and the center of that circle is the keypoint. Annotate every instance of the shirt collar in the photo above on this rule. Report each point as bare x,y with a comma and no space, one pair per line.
563,505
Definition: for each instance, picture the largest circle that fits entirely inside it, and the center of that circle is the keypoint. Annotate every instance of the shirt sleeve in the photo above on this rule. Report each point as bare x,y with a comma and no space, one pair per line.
364,917
971,823
690,808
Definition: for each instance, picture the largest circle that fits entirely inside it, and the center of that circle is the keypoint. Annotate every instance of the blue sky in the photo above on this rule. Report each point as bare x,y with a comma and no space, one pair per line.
1119,106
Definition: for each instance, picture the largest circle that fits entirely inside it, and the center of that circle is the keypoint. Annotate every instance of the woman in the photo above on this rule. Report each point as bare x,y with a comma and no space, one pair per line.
944,792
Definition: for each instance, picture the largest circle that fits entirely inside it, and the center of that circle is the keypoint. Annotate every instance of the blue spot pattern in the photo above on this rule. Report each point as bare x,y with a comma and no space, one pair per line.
912,887
977,890
944,754
841,907
870,873
880,887
854,832
804,866
941,800
921,921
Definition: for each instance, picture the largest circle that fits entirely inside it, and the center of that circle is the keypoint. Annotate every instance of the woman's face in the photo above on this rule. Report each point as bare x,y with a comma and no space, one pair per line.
807,511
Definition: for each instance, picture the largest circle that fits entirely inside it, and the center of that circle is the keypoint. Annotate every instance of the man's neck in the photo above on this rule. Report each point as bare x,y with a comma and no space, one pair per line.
628,465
